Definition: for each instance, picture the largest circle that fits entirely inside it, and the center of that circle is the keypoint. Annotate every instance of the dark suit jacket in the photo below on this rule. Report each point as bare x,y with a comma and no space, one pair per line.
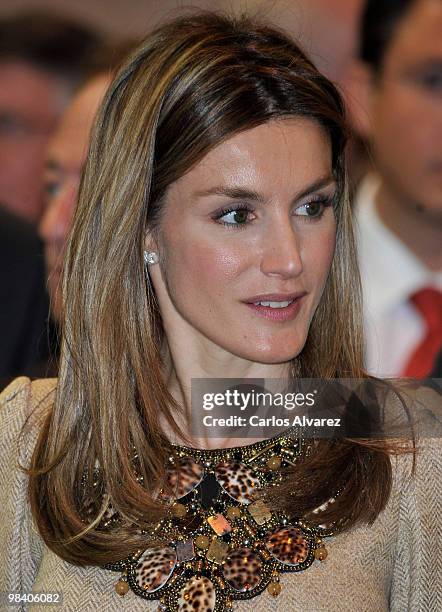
24,304
437,368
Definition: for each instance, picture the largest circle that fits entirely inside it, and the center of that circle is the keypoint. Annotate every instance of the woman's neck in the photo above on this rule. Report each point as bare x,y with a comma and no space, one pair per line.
184,365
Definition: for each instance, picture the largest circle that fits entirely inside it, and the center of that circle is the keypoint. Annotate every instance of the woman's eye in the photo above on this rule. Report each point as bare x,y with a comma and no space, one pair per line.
237,216
315,208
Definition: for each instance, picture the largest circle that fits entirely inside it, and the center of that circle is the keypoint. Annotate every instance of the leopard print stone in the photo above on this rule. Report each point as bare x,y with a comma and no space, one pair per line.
155,567
197,595
238,480
242,569
288,546
183,476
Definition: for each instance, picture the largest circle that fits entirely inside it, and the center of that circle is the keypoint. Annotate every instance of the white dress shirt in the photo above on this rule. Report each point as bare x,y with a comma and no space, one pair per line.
390,274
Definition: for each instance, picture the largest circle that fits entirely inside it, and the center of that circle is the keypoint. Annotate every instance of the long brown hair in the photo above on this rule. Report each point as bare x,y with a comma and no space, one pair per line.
192,84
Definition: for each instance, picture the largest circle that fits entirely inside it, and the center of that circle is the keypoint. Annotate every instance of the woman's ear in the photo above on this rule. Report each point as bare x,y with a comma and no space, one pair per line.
359,90
150,242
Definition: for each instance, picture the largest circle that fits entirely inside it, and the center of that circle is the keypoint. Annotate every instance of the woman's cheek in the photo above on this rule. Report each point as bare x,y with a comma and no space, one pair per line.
221,262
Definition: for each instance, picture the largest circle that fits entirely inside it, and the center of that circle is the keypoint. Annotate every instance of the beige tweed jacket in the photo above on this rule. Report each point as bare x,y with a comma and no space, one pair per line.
394,564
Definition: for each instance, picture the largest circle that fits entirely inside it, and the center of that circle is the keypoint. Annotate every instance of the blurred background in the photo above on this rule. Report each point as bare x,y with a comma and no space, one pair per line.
327,28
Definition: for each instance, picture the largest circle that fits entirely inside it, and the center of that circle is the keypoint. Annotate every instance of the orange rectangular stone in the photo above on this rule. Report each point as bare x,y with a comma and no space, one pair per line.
219,524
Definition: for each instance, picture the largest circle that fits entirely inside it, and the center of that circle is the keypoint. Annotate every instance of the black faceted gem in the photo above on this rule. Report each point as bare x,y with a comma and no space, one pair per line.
188,573
209,491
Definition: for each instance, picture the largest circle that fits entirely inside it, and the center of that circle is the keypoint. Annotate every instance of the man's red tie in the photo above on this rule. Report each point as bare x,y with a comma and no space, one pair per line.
429,304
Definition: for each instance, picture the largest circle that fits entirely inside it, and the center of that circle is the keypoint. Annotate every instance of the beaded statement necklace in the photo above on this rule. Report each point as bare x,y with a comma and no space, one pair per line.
223,543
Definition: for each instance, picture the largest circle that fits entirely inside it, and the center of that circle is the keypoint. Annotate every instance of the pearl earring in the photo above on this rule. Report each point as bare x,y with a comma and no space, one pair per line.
150,258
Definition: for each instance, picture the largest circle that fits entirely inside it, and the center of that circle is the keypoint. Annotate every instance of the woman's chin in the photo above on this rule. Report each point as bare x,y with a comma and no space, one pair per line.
272,355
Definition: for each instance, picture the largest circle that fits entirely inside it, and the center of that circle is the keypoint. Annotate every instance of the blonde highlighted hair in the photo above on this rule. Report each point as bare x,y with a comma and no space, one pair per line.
190,85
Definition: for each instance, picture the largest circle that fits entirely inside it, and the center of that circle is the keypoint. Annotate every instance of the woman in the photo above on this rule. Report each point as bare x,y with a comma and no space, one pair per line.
212,239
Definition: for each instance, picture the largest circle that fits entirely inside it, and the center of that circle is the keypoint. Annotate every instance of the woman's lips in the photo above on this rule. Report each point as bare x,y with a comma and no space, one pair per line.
287,313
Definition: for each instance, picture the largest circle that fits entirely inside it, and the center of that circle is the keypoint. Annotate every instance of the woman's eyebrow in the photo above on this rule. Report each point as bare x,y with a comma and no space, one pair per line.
239,193
236,193
318,184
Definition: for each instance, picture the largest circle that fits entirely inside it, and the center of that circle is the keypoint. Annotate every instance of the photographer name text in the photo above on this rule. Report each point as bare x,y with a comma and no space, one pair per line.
272,421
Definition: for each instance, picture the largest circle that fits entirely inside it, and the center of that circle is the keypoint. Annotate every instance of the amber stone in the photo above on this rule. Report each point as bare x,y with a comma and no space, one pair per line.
217,551
274,463
233,513
121,587
202,542
274,589
179,510
260,512
321,554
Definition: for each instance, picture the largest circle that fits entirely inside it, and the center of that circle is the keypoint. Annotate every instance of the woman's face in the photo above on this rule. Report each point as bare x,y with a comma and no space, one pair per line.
246,243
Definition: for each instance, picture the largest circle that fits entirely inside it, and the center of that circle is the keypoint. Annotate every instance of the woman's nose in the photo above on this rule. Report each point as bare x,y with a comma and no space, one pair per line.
281,255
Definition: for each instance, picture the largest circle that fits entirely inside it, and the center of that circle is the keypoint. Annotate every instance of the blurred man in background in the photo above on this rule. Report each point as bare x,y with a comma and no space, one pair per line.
64,162
42,60
398,82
